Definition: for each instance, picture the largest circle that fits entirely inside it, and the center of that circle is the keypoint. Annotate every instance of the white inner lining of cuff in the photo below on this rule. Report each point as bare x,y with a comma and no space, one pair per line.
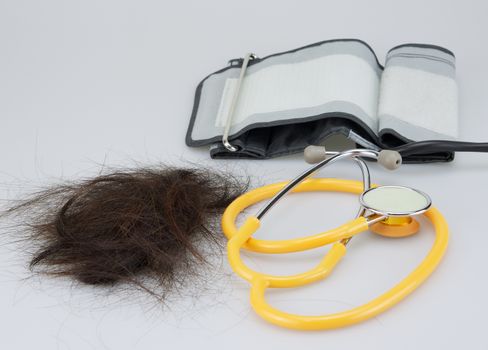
419,98
340,77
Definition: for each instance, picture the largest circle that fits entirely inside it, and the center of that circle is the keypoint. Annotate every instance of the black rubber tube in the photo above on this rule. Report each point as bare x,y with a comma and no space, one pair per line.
434,146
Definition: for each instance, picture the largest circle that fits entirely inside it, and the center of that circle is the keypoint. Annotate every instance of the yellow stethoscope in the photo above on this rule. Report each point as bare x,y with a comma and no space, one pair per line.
386,210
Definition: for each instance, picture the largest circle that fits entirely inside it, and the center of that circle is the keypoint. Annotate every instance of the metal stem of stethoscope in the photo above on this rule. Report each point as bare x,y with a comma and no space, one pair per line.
335,156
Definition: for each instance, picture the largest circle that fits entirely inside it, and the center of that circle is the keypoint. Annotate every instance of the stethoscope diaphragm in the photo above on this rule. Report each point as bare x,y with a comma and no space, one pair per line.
395,201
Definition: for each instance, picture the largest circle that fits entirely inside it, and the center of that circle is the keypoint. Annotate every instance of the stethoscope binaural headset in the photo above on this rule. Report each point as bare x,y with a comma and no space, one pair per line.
386,210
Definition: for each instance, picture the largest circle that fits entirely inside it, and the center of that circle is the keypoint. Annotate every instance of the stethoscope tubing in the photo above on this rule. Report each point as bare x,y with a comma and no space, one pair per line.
241,238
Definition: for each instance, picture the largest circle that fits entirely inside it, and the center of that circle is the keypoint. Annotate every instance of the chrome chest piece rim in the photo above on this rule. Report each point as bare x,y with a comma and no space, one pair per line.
395,201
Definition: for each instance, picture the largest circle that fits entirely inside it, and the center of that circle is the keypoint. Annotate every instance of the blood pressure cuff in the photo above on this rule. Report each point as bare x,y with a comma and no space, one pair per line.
292,99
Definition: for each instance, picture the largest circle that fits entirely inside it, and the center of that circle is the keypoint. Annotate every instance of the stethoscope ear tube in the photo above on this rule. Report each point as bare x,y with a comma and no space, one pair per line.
389,159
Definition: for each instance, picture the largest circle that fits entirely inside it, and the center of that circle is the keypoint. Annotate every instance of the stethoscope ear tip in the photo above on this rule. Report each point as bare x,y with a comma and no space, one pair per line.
314,154
389,159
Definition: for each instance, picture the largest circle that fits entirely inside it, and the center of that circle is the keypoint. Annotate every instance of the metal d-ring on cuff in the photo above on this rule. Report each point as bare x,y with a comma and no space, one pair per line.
225,138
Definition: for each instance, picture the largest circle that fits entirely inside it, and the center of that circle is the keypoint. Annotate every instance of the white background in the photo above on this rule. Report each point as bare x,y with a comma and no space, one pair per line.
85,83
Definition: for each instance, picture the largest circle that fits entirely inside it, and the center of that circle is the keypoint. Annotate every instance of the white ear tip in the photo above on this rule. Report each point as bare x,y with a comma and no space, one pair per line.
391,160
314,154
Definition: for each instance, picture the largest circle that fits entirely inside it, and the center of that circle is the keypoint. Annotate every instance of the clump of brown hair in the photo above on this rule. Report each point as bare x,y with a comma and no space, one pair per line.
128,226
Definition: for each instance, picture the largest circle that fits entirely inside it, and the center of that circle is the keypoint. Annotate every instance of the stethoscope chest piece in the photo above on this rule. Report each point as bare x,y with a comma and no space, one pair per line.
398,204
395,201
